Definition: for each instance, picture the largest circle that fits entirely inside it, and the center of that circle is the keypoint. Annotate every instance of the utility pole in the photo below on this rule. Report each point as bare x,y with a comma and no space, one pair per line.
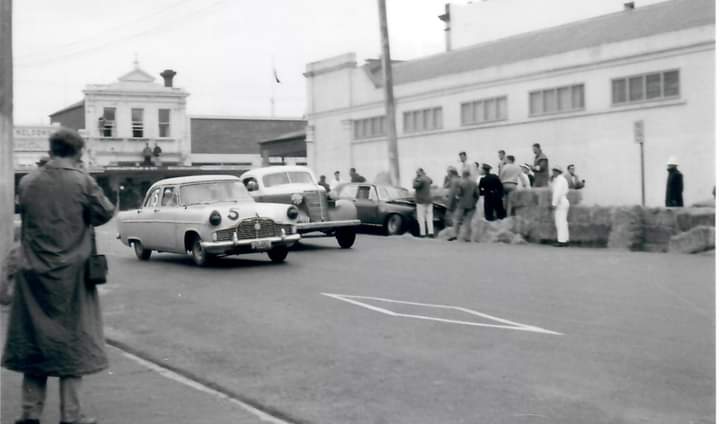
639,133
7,176
389,97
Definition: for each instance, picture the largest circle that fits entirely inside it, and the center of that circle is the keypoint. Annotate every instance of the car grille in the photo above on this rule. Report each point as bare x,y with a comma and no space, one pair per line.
246,230
316,204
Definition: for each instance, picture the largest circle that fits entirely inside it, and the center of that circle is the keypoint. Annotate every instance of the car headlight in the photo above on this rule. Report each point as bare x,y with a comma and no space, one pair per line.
293,212
215,218
296,198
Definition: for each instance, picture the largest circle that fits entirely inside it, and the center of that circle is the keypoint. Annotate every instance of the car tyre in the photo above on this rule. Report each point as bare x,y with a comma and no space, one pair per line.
140,251
199,255
394,225
345,237
278,253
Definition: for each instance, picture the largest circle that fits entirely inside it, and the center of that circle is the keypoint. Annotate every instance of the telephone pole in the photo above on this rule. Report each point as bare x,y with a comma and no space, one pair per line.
389,97
7,177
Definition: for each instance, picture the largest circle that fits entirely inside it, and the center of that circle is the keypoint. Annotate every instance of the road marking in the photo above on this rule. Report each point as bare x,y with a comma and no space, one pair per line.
171,375
504,323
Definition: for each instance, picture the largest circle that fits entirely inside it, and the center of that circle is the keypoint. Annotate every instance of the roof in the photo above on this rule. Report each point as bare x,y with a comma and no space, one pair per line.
259,172
287,136
75,105
659,18
237,135
195,179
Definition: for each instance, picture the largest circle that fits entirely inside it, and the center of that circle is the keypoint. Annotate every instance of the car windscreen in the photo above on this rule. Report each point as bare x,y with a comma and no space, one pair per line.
281,178
392,193
214,191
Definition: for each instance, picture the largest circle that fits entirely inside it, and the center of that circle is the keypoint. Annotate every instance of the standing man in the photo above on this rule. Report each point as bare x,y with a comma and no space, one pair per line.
466,165
527,170
560,206
336,181
466,197
524,178
492,191
423,203
674,187
451,180
147,155
540,167
574,181
355,177
509,177
55,323
156,154
324,184
503,161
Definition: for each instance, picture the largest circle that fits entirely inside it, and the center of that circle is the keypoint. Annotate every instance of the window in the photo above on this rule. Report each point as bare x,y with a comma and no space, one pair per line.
294,177
560,99
163,122
423,120
153,199
369,127
484,110
169,198
137,122
107,122
640,88
348,191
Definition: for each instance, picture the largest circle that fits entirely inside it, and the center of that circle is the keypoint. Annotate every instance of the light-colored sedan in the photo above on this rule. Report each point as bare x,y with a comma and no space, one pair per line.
207,216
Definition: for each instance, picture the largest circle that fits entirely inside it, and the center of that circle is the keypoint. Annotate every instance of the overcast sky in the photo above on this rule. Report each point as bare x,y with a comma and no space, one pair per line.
223,50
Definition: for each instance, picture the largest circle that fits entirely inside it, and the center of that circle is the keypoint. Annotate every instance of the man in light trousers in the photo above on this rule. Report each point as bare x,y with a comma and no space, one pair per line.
560,206
423,203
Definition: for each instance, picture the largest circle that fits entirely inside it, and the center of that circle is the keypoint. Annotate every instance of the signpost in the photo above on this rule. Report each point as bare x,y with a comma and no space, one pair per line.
639,132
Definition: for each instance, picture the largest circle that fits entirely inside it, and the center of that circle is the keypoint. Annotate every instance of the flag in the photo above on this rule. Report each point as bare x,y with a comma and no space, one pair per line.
277,80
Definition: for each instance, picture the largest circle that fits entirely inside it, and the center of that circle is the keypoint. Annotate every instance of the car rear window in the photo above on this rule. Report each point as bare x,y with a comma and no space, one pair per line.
281,178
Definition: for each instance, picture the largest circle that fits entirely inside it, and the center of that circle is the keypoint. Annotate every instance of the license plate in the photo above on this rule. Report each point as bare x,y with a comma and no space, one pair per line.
261,245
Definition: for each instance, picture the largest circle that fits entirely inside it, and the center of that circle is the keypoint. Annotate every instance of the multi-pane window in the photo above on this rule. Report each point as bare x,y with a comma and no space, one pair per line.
423,120
639,88
163,122
555,100
107,125
136,116
485,110
369,127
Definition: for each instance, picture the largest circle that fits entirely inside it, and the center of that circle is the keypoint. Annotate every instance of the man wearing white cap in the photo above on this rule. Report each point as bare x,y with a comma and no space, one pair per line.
560,205
674,188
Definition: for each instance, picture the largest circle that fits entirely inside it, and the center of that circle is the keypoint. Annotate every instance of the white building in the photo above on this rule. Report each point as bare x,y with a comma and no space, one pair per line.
577,89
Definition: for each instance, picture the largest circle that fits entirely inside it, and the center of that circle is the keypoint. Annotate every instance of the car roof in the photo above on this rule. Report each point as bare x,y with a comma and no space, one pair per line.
259,172
195,179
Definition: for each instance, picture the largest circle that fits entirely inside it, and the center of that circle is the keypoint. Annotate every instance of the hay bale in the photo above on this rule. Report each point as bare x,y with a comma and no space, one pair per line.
518,239
523,198
579,215
590,234
698,239
544,196
626,231
601,215
688,218
574,197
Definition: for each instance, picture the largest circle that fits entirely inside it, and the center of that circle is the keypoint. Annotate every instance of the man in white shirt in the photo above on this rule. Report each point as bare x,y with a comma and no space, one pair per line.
560,205
335,181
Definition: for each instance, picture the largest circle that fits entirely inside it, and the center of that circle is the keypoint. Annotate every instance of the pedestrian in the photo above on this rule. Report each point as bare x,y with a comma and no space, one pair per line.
466,197
336,181
574,181
540,167
450,176
491,189
501,163
424,203
476,172
560,206
324,183
451,180
527,170
524,177
465,165
674,187
355,177
509,178
156,155
147,155
55,323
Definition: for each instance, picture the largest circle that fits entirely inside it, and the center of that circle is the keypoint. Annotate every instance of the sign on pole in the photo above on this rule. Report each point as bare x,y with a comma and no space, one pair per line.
639,131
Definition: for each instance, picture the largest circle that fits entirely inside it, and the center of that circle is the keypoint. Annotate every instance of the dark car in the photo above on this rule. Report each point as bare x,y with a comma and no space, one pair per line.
386,207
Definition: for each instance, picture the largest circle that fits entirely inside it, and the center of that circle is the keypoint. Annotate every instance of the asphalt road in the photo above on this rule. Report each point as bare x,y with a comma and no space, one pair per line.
583,336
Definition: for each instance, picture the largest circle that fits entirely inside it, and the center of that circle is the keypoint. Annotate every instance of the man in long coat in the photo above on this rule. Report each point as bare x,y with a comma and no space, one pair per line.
464,198
492,191
55,324
541,167
674,186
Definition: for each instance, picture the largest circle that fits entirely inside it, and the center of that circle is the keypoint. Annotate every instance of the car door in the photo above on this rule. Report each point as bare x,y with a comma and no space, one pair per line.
366,202
166,220
141,224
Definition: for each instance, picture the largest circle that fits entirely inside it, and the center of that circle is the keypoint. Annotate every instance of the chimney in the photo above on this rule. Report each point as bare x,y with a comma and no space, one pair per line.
168,75
629,5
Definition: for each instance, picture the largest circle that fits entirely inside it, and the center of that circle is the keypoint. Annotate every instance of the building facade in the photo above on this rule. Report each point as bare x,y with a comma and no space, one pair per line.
577,89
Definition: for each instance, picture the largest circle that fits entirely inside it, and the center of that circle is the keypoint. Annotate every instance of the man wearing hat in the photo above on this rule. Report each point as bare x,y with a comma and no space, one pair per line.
491,189
674,187
527,170
55,325
560,205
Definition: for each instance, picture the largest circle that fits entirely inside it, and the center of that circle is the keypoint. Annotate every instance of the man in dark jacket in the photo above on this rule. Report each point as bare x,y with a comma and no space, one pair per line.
424,203
541,167
464,199
55,324
674,187
492,191
355,177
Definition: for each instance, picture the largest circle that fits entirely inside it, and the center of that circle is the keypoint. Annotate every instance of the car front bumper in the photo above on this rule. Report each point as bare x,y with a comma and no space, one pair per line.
249,245
308,227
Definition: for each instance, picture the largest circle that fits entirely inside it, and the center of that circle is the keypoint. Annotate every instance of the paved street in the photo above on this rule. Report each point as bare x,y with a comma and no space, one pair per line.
544,335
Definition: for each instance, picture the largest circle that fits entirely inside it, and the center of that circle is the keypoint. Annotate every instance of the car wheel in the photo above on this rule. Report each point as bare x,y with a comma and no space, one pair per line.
140,251
345,237
394,225
198,253
278,253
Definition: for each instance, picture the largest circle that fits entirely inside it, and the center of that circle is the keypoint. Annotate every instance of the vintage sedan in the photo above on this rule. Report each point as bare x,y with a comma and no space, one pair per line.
207,216
389,208
320,215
